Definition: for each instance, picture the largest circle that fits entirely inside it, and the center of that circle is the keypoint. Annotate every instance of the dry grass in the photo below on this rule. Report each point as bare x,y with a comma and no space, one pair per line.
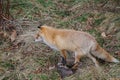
90,72
26,60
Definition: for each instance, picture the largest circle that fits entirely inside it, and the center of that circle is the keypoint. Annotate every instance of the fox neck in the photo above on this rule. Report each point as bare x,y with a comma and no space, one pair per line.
49,40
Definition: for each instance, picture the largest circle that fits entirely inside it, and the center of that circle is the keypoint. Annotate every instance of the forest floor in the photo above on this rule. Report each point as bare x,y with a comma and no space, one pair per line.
25,59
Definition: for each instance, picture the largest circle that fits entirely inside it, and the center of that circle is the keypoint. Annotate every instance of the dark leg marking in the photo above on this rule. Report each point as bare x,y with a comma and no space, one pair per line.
64,61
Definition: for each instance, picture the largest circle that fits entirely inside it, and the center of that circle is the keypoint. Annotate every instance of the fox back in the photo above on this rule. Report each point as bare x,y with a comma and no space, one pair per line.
72,40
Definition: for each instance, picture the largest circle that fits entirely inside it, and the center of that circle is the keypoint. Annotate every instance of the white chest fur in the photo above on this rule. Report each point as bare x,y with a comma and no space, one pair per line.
50,45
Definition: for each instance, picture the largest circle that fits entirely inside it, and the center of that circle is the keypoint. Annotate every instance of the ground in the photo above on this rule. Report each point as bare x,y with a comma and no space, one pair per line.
25,59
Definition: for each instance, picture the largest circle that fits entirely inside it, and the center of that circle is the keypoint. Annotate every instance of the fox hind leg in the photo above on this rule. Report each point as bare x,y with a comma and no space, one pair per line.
94,60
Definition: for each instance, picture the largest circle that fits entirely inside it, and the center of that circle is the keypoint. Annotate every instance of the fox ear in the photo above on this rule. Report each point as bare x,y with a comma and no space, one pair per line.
39,26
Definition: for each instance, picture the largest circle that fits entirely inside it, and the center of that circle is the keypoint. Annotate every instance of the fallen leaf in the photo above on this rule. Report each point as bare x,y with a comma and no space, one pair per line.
103,34
38,71
51,67
13,35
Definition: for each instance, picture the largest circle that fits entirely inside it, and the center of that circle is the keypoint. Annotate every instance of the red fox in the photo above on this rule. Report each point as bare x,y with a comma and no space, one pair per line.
81,43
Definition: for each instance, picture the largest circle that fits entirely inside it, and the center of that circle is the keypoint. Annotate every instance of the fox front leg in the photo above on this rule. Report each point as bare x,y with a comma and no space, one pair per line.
78,55
63,52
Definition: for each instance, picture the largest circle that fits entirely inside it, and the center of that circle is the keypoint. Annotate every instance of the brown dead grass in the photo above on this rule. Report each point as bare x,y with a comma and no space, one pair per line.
26,60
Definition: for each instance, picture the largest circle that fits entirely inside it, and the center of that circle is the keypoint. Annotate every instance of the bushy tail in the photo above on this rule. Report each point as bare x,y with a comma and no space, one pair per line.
102,54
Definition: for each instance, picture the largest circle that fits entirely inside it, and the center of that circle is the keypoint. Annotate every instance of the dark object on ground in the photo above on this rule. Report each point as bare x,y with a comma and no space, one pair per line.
64,71
63,61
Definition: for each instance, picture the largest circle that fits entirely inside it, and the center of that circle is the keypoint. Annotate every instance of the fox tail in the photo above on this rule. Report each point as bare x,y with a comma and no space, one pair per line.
102,54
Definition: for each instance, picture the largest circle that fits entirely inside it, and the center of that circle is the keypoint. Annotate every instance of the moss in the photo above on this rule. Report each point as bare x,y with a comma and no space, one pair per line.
7,64
98,21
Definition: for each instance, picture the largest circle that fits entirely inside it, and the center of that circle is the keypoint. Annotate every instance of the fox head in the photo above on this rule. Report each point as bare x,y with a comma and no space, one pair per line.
39,35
